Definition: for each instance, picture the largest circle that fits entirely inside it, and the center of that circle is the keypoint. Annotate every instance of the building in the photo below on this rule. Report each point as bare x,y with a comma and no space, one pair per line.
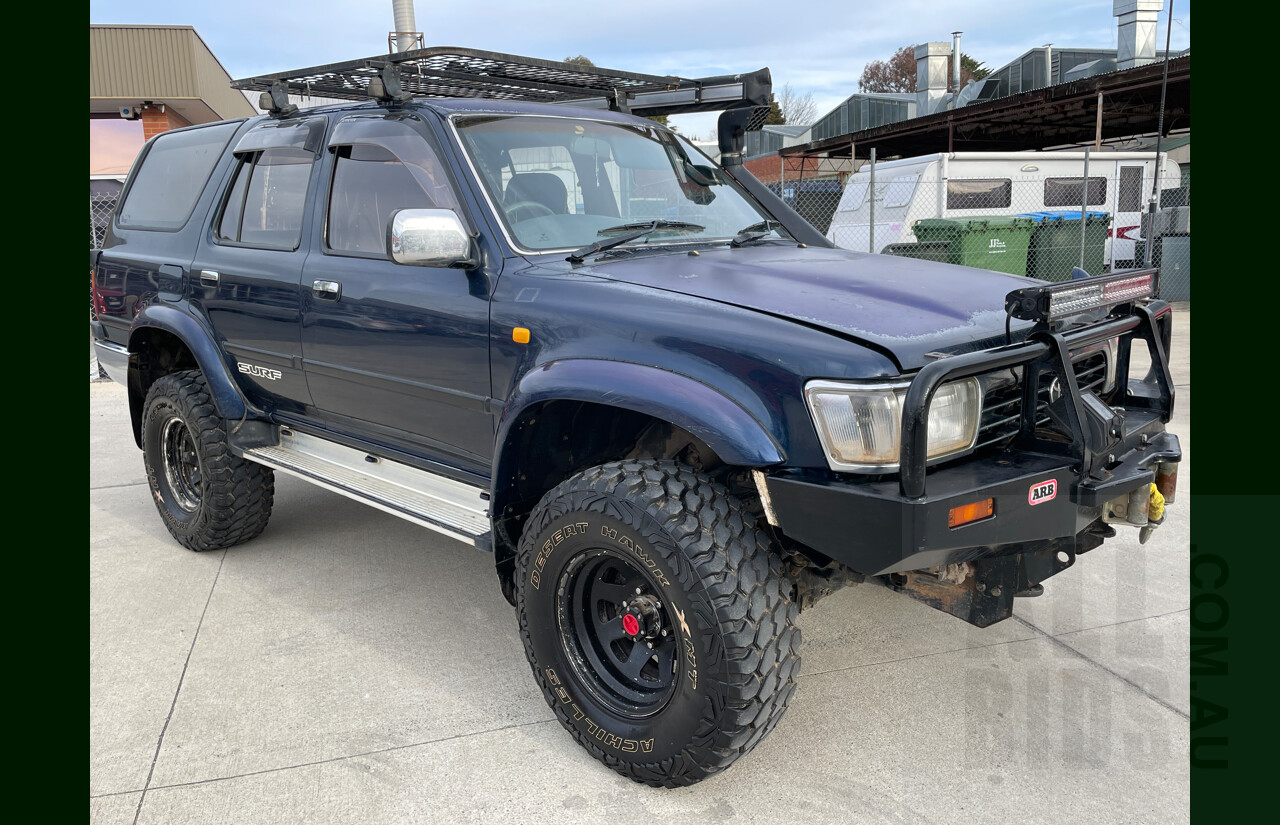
144,80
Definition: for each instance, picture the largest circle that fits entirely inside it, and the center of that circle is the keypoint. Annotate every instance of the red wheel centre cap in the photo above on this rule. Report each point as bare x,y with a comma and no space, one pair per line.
631,624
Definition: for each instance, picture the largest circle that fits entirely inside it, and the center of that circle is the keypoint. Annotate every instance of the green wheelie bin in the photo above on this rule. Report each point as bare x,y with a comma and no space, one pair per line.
996,242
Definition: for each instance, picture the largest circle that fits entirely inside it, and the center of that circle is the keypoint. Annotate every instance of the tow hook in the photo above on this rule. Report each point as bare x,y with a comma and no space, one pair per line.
1155,515
1143,508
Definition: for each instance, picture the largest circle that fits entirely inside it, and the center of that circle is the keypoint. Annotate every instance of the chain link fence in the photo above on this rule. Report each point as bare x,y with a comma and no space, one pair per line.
103,195
1036,219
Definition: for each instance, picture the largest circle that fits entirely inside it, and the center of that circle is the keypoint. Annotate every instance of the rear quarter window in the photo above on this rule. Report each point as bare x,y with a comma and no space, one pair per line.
171,177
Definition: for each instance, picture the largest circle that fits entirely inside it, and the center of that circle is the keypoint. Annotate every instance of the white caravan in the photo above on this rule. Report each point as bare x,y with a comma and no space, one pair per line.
970,184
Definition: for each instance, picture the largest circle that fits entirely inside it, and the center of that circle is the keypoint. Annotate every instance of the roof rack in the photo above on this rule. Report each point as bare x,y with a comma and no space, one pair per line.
448,71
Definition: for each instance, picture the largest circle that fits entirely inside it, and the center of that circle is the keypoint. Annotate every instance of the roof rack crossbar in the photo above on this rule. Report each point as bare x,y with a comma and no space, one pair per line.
446,71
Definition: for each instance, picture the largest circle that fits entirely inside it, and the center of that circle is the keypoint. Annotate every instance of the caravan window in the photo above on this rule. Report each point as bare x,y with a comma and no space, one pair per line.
975,193
900,191
1066,191
854,195
1130,195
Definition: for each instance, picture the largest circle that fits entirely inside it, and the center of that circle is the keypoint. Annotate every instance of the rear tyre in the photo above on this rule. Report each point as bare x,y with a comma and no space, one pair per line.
656,619
208,497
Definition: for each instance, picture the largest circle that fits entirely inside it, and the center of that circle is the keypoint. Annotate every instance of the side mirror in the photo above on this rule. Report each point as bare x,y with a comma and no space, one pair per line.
429,237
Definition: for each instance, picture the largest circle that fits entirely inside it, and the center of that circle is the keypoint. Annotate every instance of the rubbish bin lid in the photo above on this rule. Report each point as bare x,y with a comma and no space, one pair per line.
1060,214
969,221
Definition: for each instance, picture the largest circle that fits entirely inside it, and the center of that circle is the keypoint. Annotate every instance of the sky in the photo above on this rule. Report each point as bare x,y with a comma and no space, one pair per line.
821,49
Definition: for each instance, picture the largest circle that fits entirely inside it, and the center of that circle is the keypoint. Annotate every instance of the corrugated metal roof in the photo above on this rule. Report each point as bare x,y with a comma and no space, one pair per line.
788,130
160,63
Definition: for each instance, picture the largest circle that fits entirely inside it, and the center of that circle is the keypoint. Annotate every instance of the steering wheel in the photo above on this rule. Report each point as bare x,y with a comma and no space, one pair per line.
539,210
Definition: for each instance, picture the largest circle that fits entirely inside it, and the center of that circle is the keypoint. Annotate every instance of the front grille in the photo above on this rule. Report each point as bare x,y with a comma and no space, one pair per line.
1002,403
1001,411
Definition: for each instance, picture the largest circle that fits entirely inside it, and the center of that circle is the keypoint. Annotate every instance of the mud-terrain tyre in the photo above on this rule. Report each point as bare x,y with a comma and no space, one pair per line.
208,497
639,553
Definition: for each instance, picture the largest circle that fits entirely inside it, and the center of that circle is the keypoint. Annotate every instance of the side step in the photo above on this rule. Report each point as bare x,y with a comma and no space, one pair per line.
450,507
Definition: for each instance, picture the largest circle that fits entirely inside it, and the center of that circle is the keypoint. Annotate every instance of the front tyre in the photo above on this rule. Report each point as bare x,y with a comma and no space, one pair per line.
208,497
656,620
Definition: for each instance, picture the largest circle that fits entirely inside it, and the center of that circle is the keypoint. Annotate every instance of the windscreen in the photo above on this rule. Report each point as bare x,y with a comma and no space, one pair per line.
564,183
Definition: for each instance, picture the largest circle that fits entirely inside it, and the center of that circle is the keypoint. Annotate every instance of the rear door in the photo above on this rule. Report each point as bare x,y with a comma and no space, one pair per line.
395,354
148,246
248,267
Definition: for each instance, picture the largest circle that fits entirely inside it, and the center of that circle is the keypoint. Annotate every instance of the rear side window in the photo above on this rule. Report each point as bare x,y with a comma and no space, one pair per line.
978,193
1067,191
265,204
172,176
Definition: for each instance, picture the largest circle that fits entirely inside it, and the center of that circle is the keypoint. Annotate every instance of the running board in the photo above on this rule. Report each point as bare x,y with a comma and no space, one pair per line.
450,507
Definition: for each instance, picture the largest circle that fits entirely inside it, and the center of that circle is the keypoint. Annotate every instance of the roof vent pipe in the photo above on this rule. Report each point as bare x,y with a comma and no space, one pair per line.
406,26
955,61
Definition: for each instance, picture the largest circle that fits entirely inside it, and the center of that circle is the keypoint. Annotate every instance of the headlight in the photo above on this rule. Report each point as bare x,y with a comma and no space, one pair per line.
861,424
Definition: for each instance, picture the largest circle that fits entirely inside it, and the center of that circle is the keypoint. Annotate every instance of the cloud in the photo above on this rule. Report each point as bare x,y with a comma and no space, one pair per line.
113,144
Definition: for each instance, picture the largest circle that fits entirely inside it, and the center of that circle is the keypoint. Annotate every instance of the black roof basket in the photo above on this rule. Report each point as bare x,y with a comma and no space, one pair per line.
449,71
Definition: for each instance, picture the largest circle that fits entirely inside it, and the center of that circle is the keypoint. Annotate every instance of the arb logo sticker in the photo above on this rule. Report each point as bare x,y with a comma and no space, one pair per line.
1042,491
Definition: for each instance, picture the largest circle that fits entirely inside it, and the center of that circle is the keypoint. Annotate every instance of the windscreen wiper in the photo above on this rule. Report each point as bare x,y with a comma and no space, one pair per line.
755,232
633,230
654,224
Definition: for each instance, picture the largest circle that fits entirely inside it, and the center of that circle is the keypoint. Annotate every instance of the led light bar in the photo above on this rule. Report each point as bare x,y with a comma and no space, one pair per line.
1049,303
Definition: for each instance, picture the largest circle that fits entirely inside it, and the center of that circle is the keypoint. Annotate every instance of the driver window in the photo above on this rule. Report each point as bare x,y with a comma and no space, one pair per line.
369,184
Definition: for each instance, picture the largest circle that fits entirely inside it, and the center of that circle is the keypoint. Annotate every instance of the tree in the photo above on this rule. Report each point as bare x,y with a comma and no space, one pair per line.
776,116
583,60
898,73
970,68
797,109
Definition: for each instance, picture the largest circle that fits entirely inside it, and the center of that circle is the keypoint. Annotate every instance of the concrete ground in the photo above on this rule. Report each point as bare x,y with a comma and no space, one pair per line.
348,666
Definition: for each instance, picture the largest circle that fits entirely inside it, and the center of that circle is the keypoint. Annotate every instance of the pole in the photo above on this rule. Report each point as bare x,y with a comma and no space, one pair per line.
1084,205
1097,130
1155,178
782,177
871,193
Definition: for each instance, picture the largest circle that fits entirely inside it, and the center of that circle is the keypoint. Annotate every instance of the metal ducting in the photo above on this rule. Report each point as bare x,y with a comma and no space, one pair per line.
406,25
955,61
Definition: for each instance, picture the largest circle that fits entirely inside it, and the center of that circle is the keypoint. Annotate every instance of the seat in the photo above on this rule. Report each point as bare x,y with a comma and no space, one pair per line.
539,187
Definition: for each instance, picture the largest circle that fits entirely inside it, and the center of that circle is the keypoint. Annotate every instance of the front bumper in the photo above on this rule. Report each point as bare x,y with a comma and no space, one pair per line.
1054,490
874,529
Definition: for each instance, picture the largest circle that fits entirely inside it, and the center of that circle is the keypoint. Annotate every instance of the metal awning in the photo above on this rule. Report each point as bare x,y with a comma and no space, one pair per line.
1114,105
449,71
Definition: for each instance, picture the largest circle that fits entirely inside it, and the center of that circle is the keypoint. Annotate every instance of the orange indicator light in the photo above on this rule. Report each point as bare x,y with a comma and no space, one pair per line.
520,335
969,513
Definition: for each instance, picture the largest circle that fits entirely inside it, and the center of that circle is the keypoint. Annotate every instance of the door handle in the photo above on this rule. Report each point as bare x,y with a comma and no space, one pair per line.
208,277
327,290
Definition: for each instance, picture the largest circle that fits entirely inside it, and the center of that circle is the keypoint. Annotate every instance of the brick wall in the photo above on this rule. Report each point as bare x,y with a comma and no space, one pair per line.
155,121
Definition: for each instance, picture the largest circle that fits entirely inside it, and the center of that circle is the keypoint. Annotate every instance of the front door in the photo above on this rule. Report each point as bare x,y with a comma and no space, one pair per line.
396,354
